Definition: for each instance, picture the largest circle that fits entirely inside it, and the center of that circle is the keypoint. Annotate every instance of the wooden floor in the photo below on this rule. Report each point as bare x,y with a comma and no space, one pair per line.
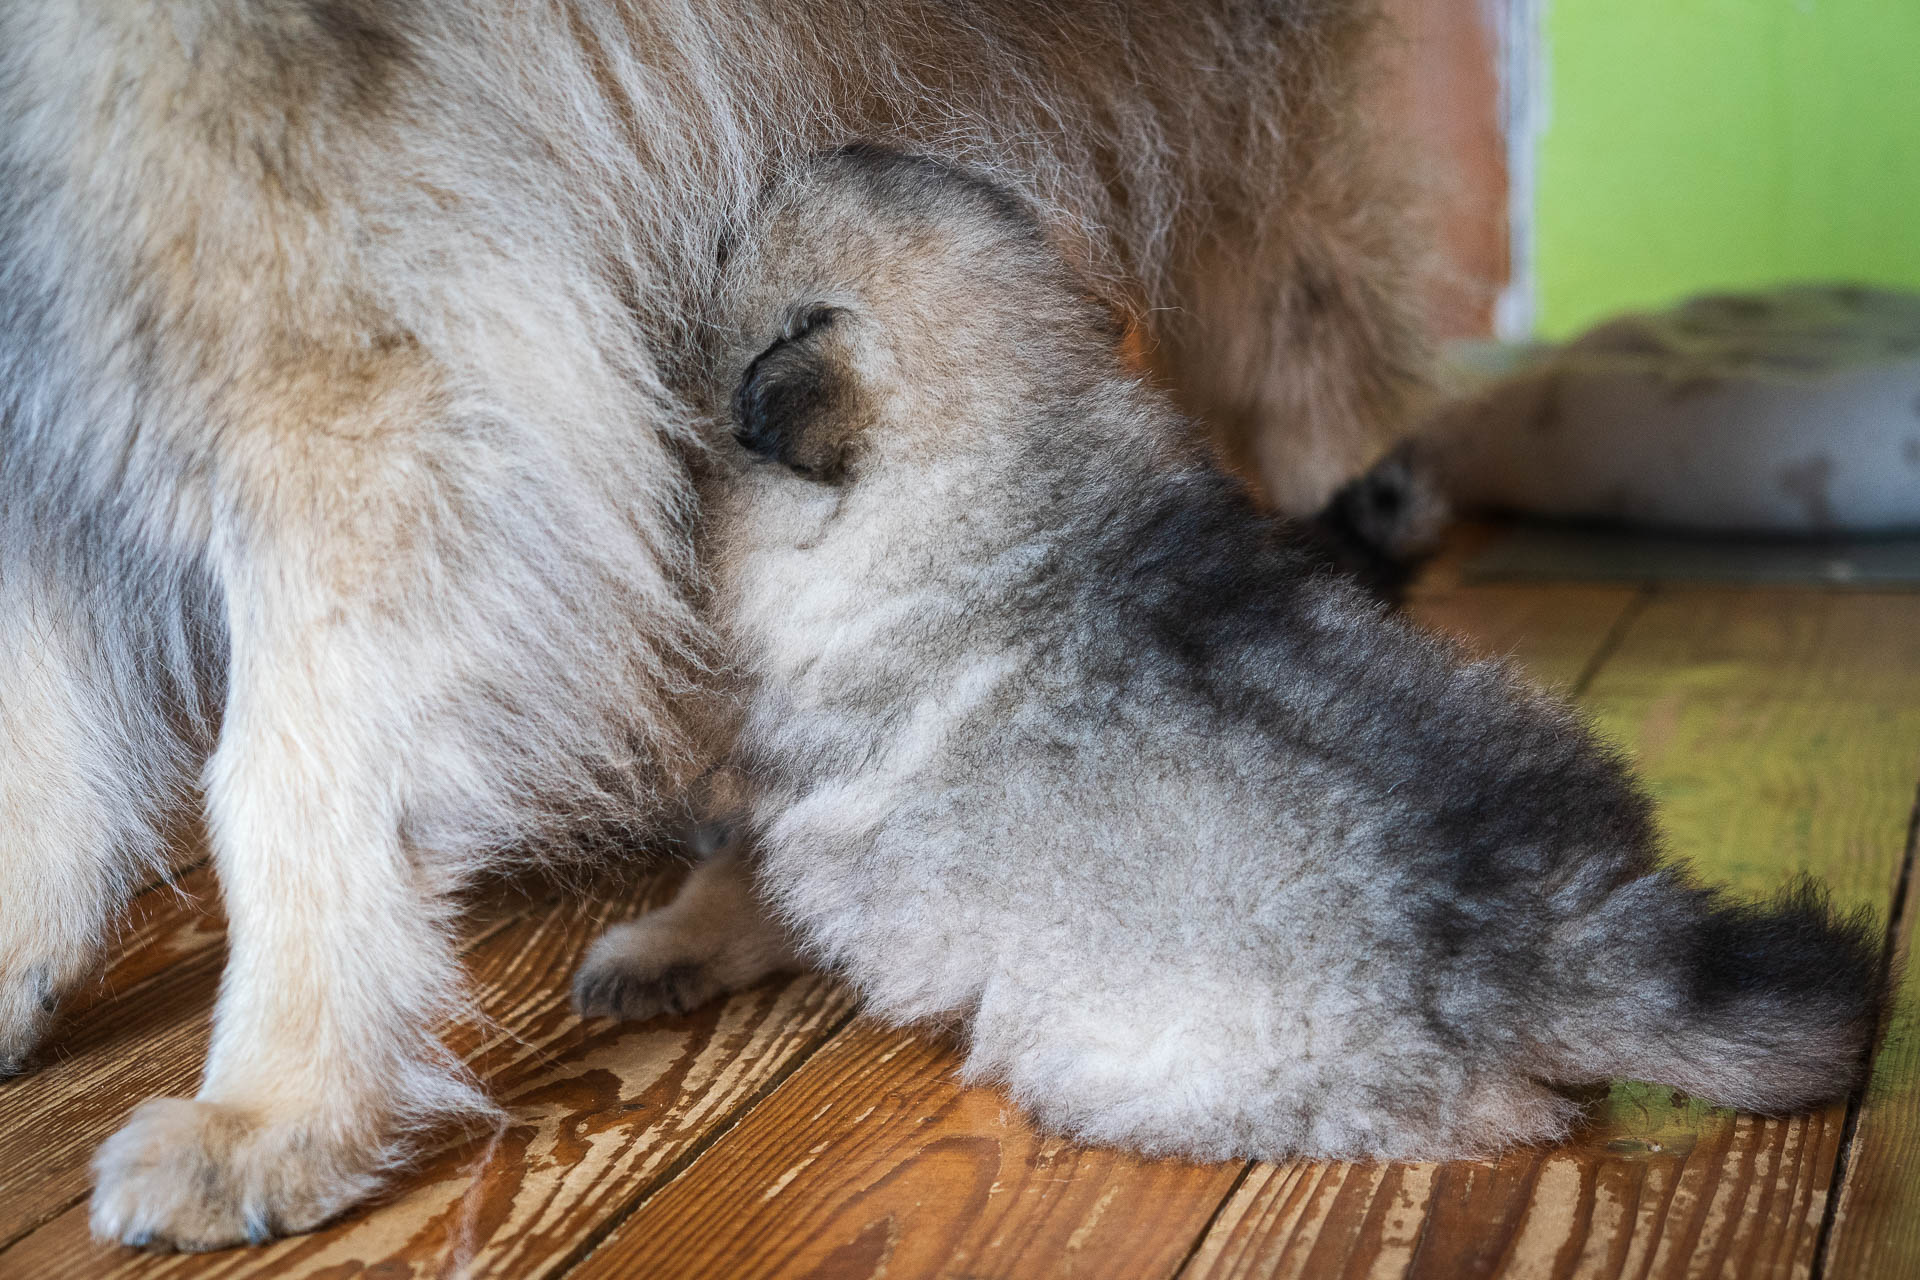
782,1135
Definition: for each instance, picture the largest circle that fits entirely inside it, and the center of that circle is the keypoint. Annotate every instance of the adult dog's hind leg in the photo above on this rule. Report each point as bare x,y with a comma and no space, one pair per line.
88,765
713,938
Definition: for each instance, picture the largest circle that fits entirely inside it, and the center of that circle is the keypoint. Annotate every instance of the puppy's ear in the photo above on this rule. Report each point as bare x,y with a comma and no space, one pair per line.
797,404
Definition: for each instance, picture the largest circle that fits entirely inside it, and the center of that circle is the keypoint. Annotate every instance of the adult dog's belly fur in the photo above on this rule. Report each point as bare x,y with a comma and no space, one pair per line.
342,467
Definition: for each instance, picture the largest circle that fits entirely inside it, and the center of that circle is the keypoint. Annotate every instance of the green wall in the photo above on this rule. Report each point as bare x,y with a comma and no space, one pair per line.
1696,144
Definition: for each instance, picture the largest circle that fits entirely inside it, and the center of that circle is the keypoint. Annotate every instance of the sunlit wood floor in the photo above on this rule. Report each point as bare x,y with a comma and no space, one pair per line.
780,1134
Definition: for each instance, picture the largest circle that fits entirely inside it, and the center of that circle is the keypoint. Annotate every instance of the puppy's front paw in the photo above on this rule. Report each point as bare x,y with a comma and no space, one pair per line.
200,1175
628,975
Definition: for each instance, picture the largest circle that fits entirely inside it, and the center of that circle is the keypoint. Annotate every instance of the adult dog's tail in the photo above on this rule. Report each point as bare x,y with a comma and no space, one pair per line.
1763,1006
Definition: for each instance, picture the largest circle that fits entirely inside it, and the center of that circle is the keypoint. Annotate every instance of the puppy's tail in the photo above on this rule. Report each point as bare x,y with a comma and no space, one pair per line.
1768,1007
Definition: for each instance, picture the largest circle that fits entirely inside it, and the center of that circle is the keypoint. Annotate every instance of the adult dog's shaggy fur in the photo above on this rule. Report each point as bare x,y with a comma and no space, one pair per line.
341,440
1053,734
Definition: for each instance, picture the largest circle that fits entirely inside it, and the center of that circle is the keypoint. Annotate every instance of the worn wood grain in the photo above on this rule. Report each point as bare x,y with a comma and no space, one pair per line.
874,1159
1554,632
1779,730
1876,1226
1318,1219
595,1112
1651,1187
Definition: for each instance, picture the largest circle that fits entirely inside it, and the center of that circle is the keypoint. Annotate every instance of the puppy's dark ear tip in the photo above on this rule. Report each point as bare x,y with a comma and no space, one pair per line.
760,433
785,400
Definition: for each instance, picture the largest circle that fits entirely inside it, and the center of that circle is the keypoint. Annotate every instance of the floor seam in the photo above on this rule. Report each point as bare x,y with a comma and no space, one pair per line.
1611,642
1206,1228
1856,1101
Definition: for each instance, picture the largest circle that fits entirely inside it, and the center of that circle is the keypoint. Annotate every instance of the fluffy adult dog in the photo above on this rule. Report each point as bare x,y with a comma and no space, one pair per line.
1048,732
342,475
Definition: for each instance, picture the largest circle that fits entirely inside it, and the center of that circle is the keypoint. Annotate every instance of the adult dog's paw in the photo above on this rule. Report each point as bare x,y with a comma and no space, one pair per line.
200,1175
27,1003
629,974
29,999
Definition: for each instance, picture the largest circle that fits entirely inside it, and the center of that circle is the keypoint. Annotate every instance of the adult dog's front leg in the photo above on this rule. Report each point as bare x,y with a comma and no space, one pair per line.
323,1051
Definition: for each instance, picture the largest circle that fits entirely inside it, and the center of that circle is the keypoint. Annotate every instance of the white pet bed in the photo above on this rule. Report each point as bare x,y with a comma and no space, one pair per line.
1795,411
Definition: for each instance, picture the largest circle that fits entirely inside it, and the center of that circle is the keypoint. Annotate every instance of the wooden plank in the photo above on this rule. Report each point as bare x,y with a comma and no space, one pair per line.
1780,730
1653,1187
1876,1225
873,1156
163,926
1445,570
597,1114
873,1159
1317,1219
1554,632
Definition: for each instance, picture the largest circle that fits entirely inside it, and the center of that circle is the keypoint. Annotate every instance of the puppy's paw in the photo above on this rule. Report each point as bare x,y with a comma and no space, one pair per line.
629,975
195,1175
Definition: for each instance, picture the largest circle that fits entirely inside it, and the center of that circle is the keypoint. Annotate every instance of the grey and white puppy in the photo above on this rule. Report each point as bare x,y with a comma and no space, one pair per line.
1053,735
